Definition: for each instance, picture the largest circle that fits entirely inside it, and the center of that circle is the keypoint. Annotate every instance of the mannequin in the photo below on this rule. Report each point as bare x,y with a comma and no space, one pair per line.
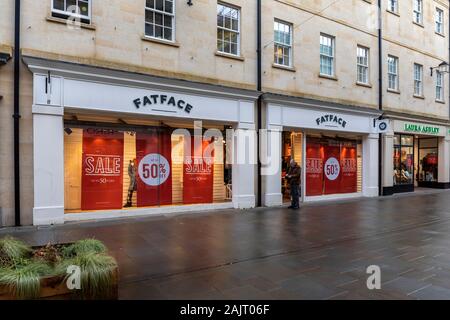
132,171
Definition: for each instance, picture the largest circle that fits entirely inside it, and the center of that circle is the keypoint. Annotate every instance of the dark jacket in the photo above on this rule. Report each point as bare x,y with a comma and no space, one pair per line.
294,175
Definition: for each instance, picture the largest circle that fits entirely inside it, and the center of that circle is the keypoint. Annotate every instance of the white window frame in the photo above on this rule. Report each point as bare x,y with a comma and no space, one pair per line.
332,56
418,80
393,6
418,11
394,74
71,14
284,45
439,86
173,15
439,21
361,66
238,31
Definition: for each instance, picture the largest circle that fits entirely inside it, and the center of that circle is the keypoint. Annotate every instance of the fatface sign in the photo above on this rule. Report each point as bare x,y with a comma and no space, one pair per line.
331,120
162,100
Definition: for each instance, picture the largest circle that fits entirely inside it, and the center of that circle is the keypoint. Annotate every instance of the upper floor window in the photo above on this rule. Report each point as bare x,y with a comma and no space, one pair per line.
327,55
439,18
439,86
160,19
393,6
418,80
418,11
72,8
228,29
392,73
362,61
283,43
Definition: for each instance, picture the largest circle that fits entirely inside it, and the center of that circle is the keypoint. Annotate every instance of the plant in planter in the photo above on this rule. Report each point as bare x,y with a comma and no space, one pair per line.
26,272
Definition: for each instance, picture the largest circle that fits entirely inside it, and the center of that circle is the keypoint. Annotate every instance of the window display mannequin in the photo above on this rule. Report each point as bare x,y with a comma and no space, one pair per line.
132,172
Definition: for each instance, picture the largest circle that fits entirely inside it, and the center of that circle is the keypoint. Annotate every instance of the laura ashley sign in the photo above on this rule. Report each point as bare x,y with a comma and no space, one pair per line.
417,128
163,100
331,120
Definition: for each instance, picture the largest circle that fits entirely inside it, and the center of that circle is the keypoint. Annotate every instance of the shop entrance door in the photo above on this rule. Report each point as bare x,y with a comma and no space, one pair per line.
292,148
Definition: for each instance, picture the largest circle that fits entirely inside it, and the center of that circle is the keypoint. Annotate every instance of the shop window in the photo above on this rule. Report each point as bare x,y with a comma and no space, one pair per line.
428,160
331,166
111,169
403,160
72,8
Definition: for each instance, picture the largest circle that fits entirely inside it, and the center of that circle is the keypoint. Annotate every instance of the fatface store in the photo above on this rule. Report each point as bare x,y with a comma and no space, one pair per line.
417,155
337,151
134,146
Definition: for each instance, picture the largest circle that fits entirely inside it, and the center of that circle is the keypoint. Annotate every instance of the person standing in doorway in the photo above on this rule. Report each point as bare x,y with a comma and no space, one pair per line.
293,176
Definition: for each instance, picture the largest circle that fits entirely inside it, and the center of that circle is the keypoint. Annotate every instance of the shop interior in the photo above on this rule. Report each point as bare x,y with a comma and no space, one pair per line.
344,176
415,162
114,164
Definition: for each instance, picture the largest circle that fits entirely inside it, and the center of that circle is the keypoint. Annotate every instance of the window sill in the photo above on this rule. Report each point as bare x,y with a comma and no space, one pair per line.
418,24
230,56
393,91
325,76
362,84
160,41
64,21
440,34
280,66
440,101
393,12
418,96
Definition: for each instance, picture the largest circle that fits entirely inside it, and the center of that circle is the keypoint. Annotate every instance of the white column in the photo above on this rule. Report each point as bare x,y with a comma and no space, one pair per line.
370,165
388,160
271,168
244,167
444,160
48,160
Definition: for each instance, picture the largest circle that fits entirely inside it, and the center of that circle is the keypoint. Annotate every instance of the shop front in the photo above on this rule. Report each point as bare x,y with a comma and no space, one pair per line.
336,147
416,154
110,144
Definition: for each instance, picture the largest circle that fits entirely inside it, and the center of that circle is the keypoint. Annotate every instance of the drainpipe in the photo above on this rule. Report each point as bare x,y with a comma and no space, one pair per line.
380,96
259,88
16,115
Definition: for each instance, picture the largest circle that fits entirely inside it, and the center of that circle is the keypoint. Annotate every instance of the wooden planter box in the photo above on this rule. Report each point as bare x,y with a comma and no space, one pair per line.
55,288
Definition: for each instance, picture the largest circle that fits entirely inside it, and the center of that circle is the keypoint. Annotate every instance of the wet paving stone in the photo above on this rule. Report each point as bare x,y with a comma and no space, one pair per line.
319,252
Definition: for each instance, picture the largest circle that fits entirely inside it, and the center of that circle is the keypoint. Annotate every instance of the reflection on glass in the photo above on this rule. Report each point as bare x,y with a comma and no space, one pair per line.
404,160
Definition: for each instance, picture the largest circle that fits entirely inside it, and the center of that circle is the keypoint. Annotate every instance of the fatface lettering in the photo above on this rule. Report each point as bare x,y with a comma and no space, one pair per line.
333,119
156,99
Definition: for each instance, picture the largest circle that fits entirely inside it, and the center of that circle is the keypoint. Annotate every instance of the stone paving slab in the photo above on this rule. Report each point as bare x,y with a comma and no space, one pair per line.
319,252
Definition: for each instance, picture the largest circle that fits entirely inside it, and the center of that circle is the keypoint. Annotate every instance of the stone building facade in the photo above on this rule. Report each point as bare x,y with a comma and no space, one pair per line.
94,69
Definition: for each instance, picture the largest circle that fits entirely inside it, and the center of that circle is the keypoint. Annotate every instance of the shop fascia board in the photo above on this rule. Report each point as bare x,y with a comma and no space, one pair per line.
416,118
300,102
131,79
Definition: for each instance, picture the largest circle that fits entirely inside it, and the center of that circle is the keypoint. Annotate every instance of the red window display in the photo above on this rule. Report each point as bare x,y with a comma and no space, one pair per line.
331,167
314,168
154,158
102,169
198,172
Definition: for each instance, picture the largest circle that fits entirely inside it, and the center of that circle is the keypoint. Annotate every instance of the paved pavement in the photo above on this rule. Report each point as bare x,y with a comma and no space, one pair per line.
319,252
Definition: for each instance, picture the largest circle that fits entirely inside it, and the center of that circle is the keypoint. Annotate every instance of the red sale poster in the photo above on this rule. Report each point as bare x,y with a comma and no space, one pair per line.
154,158
102,169
332,170
198,173
314,169
349,168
